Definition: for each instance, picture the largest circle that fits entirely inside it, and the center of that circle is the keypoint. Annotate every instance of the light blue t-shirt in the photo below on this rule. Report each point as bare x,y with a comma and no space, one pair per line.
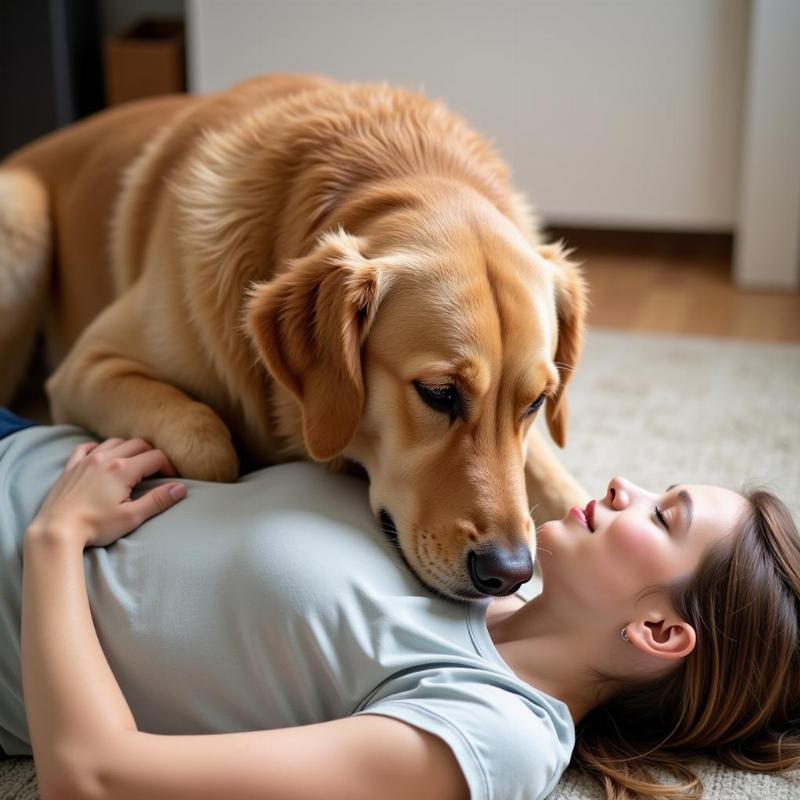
275,602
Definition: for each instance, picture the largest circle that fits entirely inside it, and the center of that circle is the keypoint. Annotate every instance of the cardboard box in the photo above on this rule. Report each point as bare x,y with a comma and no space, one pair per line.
146,60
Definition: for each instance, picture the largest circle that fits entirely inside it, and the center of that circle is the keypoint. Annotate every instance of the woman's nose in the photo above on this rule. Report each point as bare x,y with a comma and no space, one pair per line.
619,493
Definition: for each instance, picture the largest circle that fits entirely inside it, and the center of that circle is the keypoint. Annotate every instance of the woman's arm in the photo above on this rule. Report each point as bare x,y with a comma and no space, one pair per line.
71,696
84,737
359,758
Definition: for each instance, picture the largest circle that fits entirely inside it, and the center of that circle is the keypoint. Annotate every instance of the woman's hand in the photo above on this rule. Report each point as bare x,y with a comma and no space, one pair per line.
91,500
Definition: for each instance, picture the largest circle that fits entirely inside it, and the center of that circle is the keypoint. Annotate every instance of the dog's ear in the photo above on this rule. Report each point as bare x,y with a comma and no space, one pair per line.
308,326
571,306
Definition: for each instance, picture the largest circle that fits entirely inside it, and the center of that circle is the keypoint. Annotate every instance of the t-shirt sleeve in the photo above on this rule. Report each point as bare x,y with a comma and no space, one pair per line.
507,746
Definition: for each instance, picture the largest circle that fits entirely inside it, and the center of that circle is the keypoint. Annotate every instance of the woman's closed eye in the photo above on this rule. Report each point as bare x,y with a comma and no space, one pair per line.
658,514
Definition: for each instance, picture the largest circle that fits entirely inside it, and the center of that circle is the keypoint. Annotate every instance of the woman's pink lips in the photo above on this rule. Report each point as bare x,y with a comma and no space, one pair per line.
589,514
579,515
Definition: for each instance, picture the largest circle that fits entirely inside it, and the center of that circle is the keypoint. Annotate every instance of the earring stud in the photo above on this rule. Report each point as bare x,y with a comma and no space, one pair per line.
624,634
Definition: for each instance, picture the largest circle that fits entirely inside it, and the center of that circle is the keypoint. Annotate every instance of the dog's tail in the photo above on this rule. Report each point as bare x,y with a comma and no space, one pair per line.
25,257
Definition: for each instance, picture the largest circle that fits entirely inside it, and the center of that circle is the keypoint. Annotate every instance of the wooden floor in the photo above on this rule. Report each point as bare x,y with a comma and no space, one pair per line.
676,283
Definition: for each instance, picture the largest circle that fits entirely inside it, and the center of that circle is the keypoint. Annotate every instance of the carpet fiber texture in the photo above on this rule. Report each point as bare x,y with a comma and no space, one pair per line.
662,410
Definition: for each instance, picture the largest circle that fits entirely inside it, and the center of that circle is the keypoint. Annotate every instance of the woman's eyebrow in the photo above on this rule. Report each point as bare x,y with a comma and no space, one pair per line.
688,504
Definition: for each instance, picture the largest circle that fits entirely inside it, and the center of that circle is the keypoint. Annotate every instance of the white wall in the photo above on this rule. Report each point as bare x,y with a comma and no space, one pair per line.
623,118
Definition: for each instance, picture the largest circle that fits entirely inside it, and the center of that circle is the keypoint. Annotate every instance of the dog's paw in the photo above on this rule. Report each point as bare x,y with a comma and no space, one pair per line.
200,447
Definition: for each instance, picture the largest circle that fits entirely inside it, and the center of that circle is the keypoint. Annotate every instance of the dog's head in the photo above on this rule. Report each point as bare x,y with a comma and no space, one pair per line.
427,364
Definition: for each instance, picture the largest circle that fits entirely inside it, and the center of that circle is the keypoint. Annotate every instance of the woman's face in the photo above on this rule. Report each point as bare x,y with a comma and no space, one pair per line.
604,557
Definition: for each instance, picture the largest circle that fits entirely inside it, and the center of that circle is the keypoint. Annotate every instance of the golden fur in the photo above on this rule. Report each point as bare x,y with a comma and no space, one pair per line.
286,259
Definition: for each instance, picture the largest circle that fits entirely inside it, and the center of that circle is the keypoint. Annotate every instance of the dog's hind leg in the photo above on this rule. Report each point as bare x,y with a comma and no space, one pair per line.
25,257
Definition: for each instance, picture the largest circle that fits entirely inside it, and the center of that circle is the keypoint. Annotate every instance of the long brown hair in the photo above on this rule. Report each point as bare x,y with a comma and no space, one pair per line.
736,697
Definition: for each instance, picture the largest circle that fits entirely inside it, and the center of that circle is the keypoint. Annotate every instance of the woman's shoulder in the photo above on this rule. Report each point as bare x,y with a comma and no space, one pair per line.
509,741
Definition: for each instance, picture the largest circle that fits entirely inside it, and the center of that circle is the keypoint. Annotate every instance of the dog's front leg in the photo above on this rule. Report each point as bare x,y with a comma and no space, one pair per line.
109,390
552,490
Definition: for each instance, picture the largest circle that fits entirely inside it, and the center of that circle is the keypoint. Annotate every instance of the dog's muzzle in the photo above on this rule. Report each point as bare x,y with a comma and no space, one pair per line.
388,527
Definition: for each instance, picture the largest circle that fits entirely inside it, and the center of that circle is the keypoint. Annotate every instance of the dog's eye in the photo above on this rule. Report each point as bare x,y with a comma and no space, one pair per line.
535,405
441,398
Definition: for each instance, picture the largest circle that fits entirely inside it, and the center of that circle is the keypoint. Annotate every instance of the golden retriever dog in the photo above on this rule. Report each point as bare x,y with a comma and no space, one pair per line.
299,268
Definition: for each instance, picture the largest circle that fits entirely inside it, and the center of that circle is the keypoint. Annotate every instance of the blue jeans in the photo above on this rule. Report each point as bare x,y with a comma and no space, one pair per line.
11,423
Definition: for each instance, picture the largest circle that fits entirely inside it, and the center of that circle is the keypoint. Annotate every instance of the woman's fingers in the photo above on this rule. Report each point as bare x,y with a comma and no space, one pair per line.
154,502
128,448
136,458
79,453
148,463
108,444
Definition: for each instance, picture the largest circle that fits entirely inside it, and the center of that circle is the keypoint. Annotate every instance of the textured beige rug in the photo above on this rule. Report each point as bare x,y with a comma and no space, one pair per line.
663,410
667,409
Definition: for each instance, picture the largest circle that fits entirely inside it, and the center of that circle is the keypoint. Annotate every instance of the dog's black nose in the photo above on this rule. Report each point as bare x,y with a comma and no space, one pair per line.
498,571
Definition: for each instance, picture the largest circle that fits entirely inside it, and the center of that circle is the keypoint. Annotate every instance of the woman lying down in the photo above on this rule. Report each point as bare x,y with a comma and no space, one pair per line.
264,640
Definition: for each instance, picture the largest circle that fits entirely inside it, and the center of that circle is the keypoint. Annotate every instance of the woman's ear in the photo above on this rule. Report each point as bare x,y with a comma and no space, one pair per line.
571,306
666,639
308,326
